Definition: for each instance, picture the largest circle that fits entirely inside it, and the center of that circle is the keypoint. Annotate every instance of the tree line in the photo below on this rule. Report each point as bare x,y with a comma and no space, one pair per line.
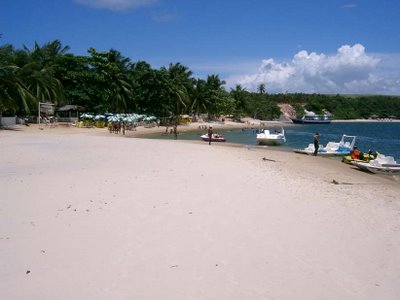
109,82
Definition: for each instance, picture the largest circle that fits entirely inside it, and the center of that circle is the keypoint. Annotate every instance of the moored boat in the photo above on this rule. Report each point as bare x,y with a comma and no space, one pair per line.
341,148
312,118
269,137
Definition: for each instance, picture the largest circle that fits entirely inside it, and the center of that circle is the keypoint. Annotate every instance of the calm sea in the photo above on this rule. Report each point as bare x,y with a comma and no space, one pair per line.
383,137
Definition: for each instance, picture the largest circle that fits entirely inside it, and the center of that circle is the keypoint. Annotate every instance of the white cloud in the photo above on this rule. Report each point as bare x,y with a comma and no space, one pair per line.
116,4
350,70
349,5
165,16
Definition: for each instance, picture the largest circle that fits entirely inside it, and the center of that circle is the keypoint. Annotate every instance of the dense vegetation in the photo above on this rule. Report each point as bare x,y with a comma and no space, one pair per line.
109,82
344,107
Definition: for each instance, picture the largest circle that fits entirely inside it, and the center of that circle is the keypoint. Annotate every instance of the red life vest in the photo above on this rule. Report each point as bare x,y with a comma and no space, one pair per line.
355,154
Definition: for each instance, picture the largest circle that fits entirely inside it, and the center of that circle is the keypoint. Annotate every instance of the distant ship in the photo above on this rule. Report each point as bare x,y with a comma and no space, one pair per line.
312,118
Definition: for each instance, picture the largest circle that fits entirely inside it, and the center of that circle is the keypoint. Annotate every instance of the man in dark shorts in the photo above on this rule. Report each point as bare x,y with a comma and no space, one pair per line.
316,143
210,132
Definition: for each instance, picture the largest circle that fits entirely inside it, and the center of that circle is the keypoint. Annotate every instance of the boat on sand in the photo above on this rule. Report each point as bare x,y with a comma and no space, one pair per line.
382,164
341,148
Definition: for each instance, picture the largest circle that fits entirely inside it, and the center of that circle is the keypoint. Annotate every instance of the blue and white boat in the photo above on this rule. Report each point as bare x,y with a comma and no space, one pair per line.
341,148
312,118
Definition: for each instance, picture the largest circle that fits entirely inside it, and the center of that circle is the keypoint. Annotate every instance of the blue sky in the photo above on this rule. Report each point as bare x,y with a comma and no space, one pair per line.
331,46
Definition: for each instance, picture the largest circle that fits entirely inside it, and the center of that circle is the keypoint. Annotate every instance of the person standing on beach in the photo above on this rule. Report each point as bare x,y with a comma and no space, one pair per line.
316,143
210,133
175,128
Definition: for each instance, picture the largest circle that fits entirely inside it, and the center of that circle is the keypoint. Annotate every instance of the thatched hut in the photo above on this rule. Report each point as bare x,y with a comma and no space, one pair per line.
69,113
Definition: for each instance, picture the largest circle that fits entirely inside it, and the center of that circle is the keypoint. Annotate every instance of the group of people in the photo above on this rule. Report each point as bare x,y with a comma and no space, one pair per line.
173,130
48,120
116,127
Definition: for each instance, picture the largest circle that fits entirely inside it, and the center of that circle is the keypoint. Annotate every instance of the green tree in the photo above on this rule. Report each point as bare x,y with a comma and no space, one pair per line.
141,76
214,83
213,90
47,54
315,106
178,89
260,108
77,79
240,96
199,100
25,80
114,89
14,93
299,110
41,64
152,92
223,103
261,88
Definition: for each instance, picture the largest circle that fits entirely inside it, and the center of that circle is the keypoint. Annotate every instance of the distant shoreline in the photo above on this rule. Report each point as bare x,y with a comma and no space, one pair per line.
365,121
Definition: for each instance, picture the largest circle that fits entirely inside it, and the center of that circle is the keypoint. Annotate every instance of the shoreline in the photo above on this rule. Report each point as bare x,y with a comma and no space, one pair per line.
142,132
248,123
365,121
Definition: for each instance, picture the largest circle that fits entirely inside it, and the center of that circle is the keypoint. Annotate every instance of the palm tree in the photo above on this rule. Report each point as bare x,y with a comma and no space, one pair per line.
40,68
206,94
199,101
14,93
47,54
179,85
239,94
181,71
24,81
123,63
214,82
114,89
122,92
42,83
261,88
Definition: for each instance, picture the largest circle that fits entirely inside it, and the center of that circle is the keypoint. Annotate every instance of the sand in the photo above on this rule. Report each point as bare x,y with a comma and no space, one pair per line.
89,215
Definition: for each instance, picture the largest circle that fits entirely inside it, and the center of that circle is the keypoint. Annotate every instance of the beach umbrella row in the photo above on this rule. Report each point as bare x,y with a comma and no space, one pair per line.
150,119
87,116
128,118
131,117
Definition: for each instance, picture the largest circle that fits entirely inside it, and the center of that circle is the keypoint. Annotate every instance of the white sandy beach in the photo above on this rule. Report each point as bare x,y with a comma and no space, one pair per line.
89,215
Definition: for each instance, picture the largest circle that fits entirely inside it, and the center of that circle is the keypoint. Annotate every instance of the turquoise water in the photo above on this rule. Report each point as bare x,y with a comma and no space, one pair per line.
377,136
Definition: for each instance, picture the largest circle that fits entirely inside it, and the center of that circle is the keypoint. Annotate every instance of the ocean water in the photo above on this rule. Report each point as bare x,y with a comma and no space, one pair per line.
383,137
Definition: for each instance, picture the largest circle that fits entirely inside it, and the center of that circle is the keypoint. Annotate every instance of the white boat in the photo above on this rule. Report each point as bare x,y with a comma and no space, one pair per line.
214,138
382,164
341,148
266,137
